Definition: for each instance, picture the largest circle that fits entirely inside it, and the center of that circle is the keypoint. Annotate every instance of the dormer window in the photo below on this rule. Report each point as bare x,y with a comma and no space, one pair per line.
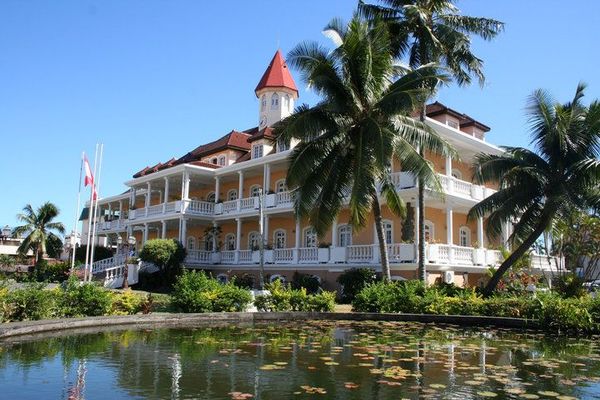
274,101
222,160
452,124
214,161
282,145
263,102
257,151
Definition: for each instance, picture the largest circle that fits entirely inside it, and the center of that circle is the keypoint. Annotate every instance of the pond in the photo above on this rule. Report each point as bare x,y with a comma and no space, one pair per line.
299,360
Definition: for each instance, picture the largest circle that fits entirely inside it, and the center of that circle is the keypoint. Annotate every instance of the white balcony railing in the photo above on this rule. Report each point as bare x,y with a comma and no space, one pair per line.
245,256
308,255
228,257
198,207
360,253
249,203
283,199
229,206
283,256
198,256
154,210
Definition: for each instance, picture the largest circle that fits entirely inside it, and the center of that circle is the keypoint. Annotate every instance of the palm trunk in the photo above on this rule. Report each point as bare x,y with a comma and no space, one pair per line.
421,216
385,262
515,255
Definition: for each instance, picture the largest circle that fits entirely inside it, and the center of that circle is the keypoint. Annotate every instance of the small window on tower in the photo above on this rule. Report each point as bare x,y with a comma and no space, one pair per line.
263,102
274,101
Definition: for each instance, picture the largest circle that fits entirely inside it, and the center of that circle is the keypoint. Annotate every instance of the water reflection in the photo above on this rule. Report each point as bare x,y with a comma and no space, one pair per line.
343,360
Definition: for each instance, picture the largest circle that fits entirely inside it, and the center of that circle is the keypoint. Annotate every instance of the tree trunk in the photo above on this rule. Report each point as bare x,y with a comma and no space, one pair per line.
421,216
515,255
385,262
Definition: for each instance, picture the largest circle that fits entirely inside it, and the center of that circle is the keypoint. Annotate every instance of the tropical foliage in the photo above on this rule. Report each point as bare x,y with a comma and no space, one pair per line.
281,297
39,228
540,186
166,254
348,139
432,31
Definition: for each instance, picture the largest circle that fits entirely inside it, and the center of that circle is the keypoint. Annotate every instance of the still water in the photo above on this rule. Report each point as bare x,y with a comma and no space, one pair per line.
327,360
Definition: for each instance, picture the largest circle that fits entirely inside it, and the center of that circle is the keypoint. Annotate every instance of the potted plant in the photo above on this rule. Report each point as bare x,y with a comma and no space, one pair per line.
323,252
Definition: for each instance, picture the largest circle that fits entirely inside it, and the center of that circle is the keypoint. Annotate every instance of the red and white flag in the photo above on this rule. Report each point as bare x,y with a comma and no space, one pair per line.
89,177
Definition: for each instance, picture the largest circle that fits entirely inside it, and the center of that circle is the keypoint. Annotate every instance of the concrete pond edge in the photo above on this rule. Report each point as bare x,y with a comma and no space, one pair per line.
166,320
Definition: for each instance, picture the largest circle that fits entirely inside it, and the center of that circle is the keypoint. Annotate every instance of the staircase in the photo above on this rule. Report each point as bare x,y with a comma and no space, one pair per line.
111,271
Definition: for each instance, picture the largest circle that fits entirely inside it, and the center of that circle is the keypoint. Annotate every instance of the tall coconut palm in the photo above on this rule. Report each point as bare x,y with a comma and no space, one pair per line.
348,140
38,226
426,31
537,187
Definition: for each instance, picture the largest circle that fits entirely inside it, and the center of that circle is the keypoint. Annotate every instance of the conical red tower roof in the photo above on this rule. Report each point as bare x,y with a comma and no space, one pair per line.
277,75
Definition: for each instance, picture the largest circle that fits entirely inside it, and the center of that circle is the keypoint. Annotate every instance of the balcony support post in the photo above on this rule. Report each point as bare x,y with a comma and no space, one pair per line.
148,195
164,229
238,240
334,233
480,232
120,211
266,178
450,233
217,188
183,232
145,236
297,241
166,198
240,189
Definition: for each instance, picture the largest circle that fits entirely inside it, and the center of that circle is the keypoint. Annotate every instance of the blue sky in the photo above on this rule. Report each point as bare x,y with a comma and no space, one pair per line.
153,79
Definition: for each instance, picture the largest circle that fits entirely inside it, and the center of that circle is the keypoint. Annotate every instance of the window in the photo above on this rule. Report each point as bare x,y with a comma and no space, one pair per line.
464,238
263,102
222,160
280,186
310,237
191,243
388,231
429,231
279,239
457,174
344,236
253,240
209,243
287,104
255,190
274,101
452,124
230,241
282,145
232,195
257,151
214,161
211,197
277,277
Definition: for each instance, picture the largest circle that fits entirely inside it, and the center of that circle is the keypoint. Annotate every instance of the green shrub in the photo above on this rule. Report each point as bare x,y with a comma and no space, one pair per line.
195,292
126,303
399,296
245,281
46,272
570,285
167,255
84,299
353,280
30,303
283,298
309,282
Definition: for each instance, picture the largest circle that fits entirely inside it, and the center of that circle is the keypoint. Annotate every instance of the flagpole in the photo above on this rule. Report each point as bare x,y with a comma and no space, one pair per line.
91,216
96,208
74,235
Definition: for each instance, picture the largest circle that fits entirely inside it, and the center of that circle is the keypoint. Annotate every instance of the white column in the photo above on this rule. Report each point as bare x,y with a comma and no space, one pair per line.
449,233
217,188
480,232
266,178
145,238
214,237
297,241
166,198
266,229
187,185
238,240
334,233
240,188
148,195
448,166
164,229
120,210
183,231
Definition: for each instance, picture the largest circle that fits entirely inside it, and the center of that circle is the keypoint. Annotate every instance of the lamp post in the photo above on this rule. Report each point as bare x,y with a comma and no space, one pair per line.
119,244
131,243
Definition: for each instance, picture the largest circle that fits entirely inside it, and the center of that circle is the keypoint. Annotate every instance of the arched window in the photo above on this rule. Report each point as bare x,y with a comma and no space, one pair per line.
277,277
456,173
214,161
222,279
274,101
209,243
230,241
282,145
232,194
211,197
263,102
310,237
464,236
255,190
253,240
279,239
222,160
191,243
280,186
429,231
344,235
287,103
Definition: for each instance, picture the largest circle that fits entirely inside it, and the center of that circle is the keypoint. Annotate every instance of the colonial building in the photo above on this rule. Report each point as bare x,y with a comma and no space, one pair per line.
209,199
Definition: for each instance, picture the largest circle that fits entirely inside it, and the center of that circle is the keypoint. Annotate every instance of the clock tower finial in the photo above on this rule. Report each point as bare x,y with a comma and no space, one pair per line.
276,92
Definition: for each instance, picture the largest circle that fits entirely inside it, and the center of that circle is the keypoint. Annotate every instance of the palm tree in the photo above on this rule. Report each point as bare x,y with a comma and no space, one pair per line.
38,227
433,31
348,140
537,187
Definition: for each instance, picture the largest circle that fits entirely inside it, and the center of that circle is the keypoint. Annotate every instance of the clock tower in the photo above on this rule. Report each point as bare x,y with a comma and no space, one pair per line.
276,93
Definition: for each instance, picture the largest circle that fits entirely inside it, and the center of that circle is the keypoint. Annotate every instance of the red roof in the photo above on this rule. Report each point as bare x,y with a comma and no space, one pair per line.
277,75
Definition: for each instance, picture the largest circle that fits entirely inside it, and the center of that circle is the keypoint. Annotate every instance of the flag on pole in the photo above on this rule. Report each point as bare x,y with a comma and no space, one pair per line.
89,177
